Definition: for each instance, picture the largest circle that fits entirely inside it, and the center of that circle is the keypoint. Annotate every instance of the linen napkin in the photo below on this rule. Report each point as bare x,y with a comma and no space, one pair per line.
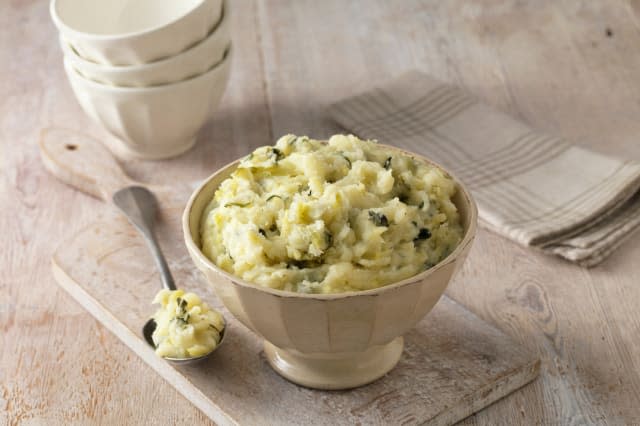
533,188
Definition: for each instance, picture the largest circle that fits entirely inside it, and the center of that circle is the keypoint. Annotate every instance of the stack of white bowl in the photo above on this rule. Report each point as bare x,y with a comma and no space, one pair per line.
149,71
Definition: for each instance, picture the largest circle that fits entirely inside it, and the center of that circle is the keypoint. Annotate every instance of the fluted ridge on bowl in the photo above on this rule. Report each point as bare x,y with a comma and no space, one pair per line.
144,46
184,65
337,325
154,122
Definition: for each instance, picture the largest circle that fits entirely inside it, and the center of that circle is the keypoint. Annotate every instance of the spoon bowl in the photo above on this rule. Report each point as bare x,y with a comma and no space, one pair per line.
150,327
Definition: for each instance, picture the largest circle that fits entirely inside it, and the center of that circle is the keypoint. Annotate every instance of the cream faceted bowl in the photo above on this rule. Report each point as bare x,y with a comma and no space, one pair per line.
153,122
129,32
329,341
191,62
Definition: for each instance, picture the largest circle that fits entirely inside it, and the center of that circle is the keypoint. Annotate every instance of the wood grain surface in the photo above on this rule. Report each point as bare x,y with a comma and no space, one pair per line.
569,67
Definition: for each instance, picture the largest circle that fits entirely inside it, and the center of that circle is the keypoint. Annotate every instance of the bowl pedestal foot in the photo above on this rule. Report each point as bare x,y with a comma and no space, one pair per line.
334,370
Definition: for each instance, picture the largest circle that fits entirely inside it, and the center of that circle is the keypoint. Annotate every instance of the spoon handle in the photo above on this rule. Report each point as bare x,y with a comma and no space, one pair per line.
139,205
161,263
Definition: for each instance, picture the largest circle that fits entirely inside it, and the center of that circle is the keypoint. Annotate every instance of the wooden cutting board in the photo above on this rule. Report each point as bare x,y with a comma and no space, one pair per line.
453,364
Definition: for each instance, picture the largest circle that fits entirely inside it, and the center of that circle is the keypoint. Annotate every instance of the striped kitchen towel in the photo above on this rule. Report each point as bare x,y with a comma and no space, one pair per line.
533,188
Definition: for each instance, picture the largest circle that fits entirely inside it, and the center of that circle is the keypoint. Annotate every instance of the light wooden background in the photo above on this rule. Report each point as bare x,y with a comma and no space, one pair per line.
571,67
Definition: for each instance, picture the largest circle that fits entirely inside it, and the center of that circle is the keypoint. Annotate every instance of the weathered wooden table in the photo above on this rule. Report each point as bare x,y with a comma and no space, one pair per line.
569,67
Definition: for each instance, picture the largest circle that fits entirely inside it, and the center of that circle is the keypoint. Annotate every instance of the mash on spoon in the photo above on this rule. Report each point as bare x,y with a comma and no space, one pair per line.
185,326
328,217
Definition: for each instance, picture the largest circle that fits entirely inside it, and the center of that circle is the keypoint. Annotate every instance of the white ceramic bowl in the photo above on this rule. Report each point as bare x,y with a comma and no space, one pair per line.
191,62
329,341
153,122
130,32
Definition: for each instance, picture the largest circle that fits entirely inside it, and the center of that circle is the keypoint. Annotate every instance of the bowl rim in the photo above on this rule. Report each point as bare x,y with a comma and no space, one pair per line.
218,66
220,29
65,28
467,239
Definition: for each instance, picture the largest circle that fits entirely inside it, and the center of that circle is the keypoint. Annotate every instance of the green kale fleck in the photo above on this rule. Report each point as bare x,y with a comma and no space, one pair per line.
182,303
387,163
328,238
300,264
346,158
182,316
277,153
423,234
378,218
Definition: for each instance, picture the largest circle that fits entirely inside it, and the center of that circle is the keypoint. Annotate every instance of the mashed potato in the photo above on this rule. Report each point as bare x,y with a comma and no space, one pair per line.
313,217
185,326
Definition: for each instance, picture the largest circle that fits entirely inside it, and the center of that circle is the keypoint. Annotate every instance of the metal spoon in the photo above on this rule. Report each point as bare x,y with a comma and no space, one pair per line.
139,206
